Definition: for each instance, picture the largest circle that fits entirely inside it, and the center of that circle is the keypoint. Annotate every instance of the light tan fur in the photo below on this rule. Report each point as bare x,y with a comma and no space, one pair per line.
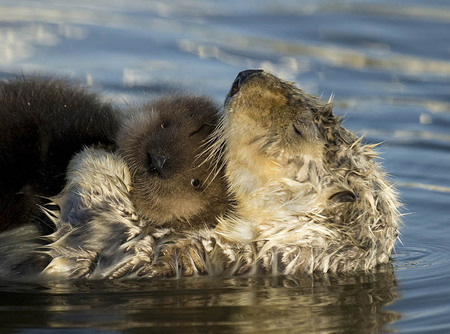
98,224
310,197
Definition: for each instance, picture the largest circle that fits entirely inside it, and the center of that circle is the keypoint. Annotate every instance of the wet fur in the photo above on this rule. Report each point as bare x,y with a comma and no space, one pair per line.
309,196
96,219
116,207
43,122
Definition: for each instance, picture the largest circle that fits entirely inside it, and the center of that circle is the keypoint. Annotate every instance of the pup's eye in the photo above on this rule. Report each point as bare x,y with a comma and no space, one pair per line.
297,131
195,183
164,125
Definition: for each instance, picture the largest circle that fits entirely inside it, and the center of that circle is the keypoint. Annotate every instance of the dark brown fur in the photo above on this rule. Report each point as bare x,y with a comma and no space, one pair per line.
43,122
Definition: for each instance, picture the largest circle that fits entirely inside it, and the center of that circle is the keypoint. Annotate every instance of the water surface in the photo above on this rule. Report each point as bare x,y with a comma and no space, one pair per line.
387,64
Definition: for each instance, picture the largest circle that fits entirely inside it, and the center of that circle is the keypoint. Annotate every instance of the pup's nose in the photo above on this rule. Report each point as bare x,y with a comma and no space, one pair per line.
157,162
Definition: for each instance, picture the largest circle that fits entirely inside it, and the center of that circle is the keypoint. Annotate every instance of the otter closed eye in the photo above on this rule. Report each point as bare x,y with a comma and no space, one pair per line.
343,197
297,131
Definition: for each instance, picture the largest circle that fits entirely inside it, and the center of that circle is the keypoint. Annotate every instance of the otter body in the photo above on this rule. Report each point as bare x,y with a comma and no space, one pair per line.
43,122
309,195
117,207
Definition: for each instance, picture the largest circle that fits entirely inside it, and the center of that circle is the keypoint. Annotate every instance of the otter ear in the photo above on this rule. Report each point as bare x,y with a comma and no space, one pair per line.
343,197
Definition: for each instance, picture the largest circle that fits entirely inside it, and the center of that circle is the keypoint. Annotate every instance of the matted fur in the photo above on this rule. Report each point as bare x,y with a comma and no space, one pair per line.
97,220
310,197
116,206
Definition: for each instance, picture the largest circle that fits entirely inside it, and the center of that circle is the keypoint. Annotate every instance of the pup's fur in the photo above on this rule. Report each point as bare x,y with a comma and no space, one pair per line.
43,122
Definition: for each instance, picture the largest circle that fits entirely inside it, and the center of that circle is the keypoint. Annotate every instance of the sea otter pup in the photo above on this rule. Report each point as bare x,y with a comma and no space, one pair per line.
116,206
309,195
43,122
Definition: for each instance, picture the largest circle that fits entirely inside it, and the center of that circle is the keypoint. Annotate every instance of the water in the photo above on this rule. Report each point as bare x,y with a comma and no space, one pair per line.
388,64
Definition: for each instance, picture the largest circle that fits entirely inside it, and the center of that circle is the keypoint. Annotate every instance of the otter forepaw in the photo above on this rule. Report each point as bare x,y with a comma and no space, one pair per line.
246,261
141,253
183,258
138,263
293,260
73,267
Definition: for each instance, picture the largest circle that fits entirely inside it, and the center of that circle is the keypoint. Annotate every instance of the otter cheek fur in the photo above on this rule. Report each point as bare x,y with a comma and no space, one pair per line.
309,195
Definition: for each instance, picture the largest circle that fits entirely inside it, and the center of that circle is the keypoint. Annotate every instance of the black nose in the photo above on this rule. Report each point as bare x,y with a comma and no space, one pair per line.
240,79
157,162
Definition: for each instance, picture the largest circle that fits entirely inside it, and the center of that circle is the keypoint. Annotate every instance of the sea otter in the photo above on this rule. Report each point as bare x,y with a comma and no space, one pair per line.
309,196
43,122
117,206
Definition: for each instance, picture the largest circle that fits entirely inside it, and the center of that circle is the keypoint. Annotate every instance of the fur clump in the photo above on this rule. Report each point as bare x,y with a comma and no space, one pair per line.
96,218
43,122
18,256
117,207
309,196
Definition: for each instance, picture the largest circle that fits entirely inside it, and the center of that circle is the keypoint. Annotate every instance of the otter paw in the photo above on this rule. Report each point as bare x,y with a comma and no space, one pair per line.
137,263
246,260
293,260
183,258
73,267
140,257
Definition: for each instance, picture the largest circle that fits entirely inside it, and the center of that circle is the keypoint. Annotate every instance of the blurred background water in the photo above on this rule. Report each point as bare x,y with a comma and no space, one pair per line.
386,62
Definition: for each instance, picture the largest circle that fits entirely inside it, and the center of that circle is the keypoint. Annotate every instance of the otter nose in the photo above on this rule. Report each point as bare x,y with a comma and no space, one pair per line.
157,162
240,79
242,76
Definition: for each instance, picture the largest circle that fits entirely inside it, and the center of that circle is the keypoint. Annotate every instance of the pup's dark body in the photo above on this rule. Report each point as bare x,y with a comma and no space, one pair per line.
43,122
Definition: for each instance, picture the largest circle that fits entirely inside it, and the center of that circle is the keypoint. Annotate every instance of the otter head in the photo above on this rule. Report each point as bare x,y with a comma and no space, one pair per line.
300,179
277,140
291,165
161,145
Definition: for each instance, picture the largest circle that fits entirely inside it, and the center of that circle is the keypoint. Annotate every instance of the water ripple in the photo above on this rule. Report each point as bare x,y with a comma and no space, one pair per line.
427,260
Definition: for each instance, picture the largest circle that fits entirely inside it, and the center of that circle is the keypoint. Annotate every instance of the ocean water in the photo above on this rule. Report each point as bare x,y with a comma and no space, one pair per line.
387,64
